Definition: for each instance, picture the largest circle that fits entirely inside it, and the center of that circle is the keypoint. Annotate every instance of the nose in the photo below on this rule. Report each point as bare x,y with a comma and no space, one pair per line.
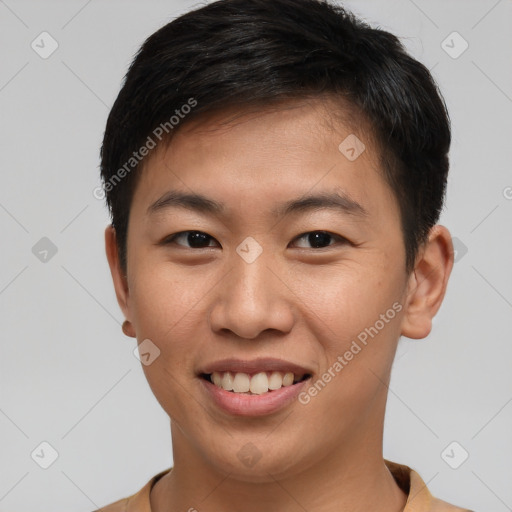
251,299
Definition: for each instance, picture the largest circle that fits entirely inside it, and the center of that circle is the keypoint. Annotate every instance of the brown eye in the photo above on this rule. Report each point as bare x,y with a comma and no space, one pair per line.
319,239
194,239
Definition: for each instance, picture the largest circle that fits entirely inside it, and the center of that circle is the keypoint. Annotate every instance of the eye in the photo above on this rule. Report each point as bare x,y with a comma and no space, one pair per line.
201,240
320,239
195,239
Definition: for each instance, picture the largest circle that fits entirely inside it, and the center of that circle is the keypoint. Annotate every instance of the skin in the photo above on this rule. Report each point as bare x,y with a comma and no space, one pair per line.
295,302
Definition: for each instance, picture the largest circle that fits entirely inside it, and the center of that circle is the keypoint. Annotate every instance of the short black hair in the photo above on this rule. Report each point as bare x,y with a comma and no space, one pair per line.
260,52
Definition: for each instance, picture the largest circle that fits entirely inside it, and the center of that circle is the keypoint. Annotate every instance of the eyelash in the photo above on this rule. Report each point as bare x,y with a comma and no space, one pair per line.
172,239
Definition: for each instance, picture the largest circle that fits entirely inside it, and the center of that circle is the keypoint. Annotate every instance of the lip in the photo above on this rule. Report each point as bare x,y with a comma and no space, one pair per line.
253,405
262,364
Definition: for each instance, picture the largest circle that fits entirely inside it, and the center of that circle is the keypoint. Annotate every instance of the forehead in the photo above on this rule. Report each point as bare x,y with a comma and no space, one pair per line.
319,120
259,157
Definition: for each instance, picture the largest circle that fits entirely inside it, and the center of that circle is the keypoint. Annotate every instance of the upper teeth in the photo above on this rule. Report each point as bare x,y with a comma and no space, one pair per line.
257,384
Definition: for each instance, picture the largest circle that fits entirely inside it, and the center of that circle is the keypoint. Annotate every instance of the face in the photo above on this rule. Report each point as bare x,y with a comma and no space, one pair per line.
291,261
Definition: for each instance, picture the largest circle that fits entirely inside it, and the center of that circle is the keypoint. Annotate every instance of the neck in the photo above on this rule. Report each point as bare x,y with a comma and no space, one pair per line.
351,478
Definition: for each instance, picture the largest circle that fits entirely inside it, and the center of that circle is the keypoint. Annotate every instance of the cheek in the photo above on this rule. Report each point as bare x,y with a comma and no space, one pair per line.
352,386
344,298
166,305
164,296
165,310
354,312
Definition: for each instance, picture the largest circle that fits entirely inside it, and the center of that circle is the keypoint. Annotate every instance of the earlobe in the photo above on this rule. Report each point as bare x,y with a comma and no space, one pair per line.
118,277
427,283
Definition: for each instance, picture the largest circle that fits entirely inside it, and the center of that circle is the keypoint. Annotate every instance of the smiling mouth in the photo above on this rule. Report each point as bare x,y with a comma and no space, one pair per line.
254,384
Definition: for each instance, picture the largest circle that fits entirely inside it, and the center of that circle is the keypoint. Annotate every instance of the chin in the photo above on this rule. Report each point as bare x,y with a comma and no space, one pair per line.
251,464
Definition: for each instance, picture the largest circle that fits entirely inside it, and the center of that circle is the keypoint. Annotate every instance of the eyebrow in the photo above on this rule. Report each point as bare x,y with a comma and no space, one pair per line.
338,201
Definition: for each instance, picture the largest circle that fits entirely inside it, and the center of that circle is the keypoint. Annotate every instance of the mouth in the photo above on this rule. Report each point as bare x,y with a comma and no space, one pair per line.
257,387
255,383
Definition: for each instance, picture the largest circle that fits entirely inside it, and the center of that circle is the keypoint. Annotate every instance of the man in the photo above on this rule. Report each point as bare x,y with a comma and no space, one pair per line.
275,171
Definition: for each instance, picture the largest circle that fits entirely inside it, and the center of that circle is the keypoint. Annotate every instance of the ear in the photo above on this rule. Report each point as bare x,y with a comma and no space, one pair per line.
427,283
120,280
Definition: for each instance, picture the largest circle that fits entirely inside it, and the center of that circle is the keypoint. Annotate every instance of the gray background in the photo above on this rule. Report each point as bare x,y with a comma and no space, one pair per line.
68,375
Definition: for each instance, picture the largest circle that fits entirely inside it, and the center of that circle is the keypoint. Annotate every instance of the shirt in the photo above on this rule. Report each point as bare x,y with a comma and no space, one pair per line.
419,498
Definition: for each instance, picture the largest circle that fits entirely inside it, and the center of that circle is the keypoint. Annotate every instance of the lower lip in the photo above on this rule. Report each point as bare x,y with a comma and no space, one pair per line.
253,405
